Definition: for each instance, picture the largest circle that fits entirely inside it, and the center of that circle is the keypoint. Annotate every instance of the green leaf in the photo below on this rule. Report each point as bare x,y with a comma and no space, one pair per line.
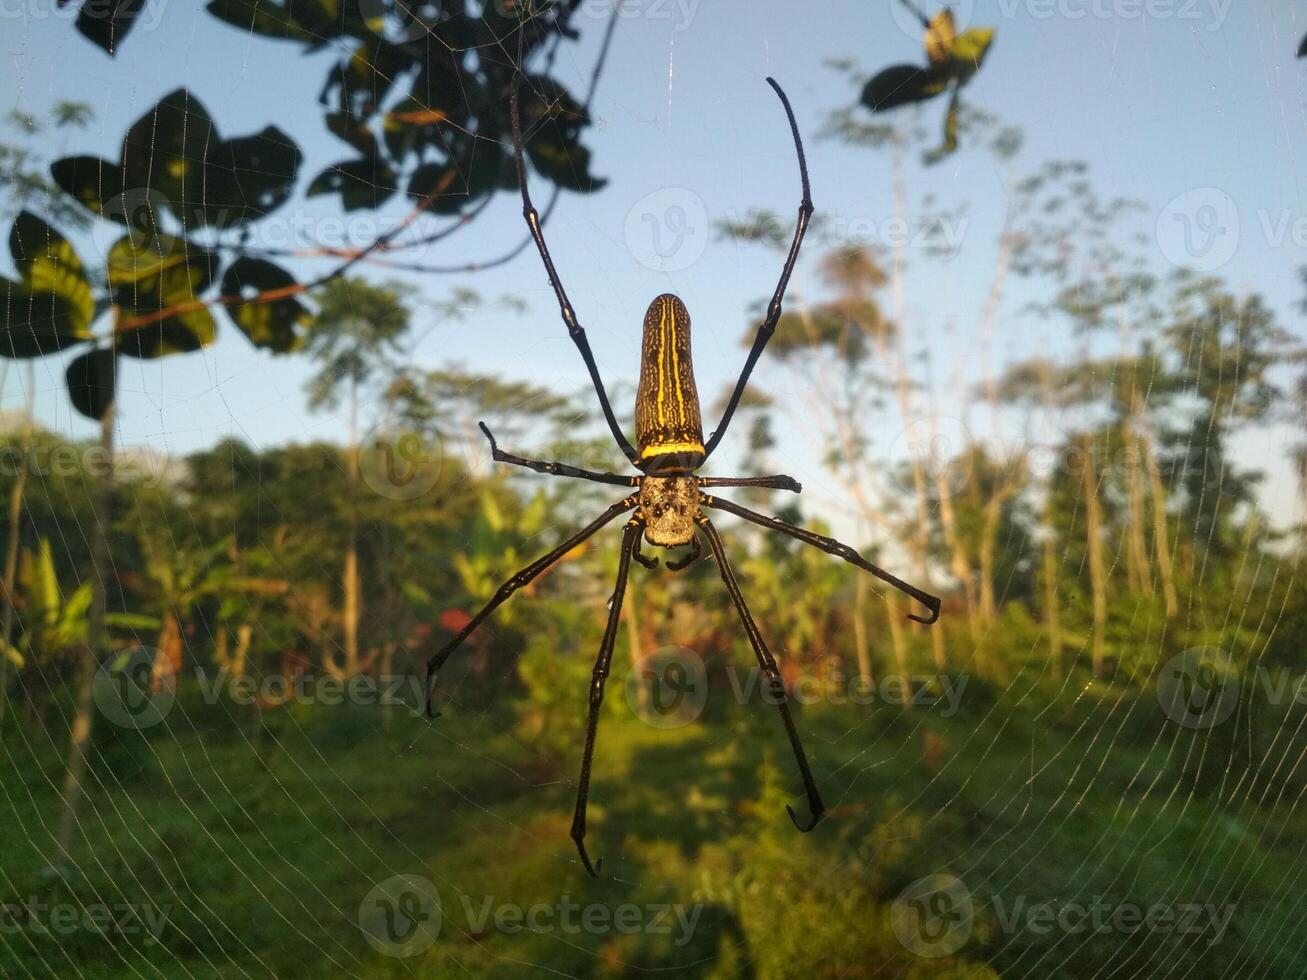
75,610
950,144
360,183
53,306
969,52
275,325
941,33
14,655
91,382
131,621
49,264
139,256
153,273
901,85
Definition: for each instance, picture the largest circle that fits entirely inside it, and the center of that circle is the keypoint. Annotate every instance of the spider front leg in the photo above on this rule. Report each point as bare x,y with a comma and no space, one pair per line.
768,325
634,528
574,328
771,675
517,581
557,469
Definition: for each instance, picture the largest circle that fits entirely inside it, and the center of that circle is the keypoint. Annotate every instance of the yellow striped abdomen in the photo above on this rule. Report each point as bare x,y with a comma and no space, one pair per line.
668,428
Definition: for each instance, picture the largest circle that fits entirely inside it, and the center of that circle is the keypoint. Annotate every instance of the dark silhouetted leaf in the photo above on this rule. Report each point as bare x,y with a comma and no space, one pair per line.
175,151
33,324
91,379
274,325
90,180
902,85
106,22
360,183
454,186
313,22
552,122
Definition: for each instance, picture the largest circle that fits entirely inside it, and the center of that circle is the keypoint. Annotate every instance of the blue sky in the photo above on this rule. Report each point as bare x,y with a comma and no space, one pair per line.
1196,100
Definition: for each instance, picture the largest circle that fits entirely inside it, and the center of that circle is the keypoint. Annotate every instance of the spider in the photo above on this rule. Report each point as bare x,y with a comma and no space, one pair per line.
668,506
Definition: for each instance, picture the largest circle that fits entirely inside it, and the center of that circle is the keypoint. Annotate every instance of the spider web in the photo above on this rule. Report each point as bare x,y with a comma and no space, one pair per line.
665,118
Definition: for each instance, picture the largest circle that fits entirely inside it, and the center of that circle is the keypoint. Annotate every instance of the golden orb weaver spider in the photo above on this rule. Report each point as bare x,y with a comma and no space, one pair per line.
669,499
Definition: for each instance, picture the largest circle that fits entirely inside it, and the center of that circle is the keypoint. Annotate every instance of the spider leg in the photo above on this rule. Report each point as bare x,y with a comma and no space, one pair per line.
556,469
777,482
696,550
630,540
642,558
768,325
519,579
574,329
771,675
831,547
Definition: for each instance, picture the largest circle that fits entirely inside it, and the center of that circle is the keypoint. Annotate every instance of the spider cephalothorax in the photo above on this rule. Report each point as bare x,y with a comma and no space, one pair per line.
667,509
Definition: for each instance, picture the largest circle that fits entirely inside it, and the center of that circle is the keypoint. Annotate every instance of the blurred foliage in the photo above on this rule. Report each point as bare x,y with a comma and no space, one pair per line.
952,61
420,94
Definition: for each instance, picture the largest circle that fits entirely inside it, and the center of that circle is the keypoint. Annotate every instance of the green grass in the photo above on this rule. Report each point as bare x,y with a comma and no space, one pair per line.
262,846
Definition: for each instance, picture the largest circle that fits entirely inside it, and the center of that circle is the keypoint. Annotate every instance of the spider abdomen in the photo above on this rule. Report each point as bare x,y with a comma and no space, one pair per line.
668,427
668,505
